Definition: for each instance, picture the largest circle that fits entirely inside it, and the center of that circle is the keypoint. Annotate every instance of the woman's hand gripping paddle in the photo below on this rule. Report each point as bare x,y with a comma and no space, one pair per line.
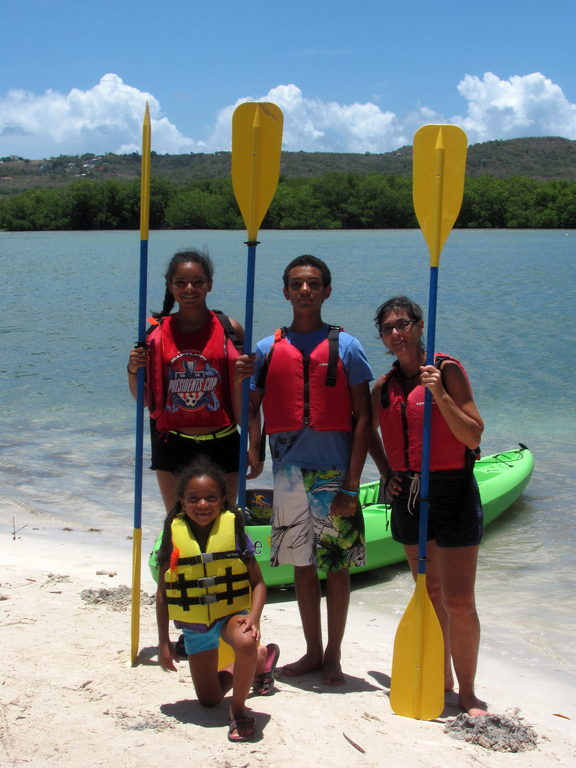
256,146
137,533
439,165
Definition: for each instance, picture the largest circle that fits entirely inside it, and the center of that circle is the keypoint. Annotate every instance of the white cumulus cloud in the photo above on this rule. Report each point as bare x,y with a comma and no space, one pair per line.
527,105
313,125
105,118
108,118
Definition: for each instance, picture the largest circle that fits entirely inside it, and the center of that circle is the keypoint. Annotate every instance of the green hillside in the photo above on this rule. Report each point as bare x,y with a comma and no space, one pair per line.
536,158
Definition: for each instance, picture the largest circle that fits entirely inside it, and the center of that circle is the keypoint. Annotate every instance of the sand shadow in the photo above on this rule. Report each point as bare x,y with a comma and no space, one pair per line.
382,678
451,706
190,712
146,657
312,683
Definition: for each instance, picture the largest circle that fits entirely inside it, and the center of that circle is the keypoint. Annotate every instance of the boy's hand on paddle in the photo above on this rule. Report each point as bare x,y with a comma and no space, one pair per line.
167,655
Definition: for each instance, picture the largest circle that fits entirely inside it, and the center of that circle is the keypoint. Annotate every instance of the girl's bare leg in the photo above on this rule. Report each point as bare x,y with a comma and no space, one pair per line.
246,649
210,684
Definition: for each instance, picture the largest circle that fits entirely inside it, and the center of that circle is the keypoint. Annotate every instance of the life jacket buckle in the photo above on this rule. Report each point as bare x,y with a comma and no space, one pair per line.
206,581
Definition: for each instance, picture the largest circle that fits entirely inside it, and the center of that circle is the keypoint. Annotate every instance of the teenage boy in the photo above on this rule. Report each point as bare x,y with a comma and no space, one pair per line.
312,380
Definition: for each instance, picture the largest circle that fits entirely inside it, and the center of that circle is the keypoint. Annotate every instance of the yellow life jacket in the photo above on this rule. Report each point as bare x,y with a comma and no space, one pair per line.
204,586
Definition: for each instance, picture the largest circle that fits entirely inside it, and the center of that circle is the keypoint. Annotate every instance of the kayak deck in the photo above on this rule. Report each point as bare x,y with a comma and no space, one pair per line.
501,477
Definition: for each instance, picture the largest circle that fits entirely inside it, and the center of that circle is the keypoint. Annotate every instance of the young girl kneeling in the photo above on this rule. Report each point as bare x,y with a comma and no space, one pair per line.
211,586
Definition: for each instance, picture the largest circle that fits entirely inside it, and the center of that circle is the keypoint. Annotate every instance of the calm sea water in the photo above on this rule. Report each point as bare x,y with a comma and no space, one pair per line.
505,308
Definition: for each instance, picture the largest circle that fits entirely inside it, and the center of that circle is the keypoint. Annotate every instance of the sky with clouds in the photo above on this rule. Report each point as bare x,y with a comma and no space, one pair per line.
349,77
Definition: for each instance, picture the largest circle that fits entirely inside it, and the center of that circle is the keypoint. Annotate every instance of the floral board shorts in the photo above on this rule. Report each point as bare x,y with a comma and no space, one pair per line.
303,530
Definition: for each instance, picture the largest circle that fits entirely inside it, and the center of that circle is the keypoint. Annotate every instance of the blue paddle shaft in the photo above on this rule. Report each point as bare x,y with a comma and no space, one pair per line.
248,323
427,430
138,453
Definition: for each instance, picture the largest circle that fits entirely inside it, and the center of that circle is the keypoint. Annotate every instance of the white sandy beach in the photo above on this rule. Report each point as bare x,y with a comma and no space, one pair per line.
69,696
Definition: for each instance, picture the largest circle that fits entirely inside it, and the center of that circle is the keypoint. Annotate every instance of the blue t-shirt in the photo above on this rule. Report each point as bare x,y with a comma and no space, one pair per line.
307,447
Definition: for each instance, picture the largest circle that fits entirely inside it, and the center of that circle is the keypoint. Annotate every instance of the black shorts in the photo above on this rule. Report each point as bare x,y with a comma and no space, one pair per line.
172,451
455,517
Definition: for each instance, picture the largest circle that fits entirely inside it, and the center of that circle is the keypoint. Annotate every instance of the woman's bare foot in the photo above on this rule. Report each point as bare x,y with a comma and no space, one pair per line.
308,663
472,705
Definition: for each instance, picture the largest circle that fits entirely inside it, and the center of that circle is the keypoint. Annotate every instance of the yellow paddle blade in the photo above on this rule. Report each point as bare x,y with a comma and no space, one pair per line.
256,145
135,621
145,176
438,171
226,655
417,686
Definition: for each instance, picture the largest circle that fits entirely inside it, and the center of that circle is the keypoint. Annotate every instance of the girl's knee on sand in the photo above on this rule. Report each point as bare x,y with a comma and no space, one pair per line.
210,700
211,696
243,642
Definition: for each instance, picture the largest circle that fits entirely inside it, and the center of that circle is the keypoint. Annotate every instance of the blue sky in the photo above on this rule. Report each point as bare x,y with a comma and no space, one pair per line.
349,76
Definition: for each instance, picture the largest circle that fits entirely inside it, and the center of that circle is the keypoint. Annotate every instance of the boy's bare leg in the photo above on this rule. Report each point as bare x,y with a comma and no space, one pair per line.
337,601
308,596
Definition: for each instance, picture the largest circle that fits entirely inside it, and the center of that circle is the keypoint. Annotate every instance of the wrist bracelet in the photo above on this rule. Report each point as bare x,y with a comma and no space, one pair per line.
132,373
348,493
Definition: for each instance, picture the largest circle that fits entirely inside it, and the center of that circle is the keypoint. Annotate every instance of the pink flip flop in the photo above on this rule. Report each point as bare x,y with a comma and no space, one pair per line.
264,682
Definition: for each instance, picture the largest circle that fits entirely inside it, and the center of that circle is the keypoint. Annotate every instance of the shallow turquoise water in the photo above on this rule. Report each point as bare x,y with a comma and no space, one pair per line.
505,308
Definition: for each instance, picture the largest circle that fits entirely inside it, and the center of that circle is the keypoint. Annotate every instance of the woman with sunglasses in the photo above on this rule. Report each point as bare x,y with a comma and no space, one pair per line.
455,512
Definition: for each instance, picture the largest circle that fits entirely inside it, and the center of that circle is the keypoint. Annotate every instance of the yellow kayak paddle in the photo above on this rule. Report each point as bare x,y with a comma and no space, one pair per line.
439,165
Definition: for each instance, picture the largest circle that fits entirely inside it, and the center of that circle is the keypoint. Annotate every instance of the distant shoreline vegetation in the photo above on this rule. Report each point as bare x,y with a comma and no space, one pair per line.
329,201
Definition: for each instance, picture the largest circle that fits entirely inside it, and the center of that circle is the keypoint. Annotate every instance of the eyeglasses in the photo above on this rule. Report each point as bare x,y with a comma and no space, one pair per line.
399,325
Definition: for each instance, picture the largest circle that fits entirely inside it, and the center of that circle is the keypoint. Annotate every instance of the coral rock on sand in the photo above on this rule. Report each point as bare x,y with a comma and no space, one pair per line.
502,733
118,598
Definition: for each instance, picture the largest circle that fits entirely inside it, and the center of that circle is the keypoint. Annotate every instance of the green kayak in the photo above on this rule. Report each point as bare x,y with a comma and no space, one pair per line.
501,477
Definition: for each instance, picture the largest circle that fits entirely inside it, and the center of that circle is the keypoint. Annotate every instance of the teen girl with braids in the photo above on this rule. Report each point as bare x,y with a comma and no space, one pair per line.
189,361
211,586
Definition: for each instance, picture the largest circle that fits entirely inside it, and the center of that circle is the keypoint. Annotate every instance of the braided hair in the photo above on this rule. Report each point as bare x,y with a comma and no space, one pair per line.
183,257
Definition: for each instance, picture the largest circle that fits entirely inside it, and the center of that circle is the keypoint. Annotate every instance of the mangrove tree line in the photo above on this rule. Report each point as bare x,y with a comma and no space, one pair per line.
330,201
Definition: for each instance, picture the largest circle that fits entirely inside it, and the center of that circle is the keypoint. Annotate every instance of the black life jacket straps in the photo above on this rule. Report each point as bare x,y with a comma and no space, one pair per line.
208,557
240,533
228,329
236,586
333,356
155,320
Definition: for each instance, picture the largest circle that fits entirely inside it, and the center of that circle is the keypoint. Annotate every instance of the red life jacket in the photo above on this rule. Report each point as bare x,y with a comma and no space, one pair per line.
306,391
188,376
401,422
